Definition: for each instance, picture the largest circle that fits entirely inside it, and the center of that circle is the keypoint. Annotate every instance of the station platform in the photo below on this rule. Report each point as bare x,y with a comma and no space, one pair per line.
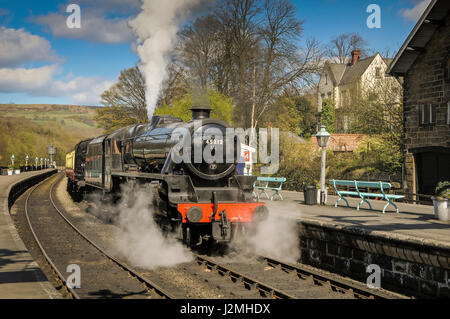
411,247
413,223
20,276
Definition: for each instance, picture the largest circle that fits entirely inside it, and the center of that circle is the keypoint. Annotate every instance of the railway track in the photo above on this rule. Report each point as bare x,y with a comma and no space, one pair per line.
257,277
272,278
103,275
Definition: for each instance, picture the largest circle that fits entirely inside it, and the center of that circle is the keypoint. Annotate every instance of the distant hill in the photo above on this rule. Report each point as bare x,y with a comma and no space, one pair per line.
28,129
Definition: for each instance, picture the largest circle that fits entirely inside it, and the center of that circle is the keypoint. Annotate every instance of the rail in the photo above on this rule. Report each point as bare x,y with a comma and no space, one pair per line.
42,249
247,281
149,284
132,273
358,289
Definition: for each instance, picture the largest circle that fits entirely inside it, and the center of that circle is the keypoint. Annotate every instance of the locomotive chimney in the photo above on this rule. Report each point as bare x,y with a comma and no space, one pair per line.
200,112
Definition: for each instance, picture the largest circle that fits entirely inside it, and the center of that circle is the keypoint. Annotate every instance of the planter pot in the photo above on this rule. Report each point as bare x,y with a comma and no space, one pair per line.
10,172
16,171
441,210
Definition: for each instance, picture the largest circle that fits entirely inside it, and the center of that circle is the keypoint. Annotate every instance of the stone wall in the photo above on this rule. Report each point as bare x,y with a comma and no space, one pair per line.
425,83
412,268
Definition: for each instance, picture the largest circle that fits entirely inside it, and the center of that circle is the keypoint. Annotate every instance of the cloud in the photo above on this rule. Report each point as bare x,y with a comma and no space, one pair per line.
18,46
26,80
94,28
104,21
41,82
415,13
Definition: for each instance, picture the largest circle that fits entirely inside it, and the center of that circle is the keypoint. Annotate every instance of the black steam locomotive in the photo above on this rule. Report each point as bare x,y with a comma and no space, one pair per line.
204,199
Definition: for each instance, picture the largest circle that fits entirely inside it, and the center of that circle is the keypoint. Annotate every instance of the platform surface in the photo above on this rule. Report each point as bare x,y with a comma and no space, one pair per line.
413,223
20,276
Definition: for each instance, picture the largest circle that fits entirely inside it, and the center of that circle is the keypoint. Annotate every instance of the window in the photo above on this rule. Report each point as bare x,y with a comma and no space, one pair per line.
427,114
448,112
326,79
447,70
377,72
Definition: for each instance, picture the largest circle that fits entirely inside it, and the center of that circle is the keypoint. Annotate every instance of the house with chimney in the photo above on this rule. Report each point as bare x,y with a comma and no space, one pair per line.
346,83
424,63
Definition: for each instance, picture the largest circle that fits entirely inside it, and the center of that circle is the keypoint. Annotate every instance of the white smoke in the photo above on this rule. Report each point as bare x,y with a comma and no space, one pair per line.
156,28
276,237
139,239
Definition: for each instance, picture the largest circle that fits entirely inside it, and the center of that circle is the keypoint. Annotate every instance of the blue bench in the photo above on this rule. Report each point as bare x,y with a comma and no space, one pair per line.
261,185
382,186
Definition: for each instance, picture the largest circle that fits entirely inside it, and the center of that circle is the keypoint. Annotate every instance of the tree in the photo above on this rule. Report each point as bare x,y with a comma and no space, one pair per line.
284,63
221,107
328,117
124,103
341,46
249,50
175,86
199,48
292,112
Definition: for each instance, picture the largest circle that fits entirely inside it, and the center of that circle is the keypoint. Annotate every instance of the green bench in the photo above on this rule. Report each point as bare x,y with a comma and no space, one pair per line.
261,185
382,186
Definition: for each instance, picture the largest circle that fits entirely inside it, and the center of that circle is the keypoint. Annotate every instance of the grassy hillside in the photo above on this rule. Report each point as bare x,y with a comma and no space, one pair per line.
28,129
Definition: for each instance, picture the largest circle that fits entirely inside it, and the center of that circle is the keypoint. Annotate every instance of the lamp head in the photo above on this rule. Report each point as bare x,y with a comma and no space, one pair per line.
323,137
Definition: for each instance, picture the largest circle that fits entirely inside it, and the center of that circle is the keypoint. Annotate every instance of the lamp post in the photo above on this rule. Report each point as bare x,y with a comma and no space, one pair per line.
26,160
323,138
12,159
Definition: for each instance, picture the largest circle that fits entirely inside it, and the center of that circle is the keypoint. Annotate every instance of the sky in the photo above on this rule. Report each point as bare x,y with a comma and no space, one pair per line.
43,61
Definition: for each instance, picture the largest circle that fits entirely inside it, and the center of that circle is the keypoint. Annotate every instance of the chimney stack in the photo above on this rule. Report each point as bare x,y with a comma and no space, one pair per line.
200,112
356,54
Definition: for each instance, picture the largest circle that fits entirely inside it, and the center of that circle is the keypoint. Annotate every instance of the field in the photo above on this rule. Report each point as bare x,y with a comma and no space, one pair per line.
28,129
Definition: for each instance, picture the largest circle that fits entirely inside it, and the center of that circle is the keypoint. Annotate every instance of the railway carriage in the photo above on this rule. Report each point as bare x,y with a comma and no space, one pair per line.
200,200
75,168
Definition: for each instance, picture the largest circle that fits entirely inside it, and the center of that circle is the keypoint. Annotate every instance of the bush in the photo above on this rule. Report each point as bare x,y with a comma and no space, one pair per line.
443,190
299,163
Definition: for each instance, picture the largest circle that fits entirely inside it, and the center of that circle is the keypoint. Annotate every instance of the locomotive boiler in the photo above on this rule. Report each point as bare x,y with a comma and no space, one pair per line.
193,165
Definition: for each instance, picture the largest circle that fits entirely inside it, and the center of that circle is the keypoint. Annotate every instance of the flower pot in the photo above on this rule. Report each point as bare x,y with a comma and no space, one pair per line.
16,171
10,172
441,209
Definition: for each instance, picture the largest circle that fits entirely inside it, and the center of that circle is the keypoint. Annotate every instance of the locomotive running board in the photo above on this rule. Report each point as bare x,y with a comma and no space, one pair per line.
140,175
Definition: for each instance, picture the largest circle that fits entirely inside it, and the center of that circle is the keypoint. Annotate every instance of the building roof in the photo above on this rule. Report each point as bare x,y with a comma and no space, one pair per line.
337,71
344,73
417,40
354,72
343,142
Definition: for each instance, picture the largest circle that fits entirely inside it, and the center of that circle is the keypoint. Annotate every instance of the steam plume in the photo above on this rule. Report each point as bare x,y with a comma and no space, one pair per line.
156,28
140,239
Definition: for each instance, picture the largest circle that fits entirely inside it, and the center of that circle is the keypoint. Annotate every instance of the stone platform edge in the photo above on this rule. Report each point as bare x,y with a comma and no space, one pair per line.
409,265
396,237
13,191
